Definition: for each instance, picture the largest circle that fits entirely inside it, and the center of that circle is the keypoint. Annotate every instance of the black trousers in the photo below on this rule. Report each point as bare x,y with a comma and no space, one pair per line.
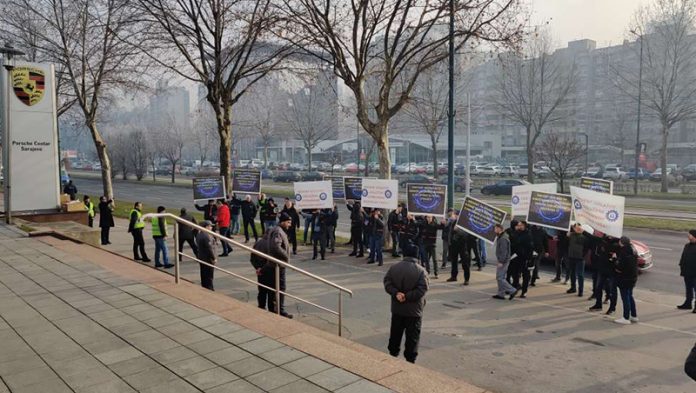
249,222
412,327
292,239
395,243
207,273
105,235
90,221
319,241
357,236
191,243
138,244
430,255
266,297
460,254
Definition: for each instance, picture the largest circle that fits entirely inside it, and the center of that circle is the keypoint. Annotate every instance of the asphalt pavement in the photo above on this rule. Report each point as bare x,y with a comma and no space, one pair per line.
665,245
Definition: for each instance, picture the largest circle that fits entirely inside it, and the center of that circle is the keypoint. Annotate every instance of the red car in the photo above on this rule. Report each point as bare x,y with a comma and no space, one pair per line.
645,256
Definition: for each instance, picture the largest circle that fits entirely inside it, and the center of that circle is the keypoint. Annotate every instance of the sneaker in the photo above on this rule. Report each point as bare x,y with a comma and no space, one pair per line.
571,290
168,266
622,321
555,280
634,320
610,312
466,283
147,260
370,261
523,295
352,254
137,259
595,308
498,297
512,295
361,255
286,315
451,279
579,294
591,297
684,307
532,284
434,278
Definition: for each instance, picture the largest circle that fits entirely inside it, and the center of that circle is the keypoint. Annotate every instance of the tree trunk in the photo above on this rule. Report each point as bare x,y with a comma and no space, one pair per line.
530,156
383,152
225,132
173,172
562,186
103,155
435,171
663,159
265,156
309,159
154,172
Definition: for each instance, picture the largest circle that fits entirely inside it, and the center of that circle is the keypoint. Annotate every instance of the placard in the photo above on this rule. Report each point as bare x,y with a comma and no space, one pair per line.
550,210
479,219
313,195
337,187
353,188
380,193
246,181
427,199
522,194
206,188
602,212
598,185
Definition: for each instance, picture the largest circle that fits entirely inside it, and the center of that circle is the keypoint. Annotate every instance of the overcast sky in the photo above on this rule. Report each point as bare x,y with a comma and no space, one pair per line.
605,21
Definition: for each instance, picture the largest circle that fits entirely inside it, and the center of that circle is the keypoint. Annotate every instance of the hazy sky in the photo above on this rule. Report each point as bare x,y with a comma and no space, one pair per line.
605,21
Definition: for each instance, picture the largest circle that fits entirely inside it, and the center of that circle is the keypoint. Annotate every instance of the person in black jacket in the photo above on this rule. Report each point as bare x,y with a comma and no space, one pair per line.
687,269
318,237
106,218
356,228
429,229
330,222
406,283
376,237
235,205
186,233
209,210
626,278
541,248
525,258
135,228
690,364
561,259
71,190
394,225
207,253
459,251
449,221
603,248
248,215
290,210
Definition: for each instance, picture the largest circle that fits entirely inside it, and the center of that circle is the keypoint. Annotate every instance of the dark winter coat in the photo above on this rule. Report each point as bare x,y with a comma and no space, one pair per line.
429,232
690,364
626,268
294,215
248,210
106,215
411,279
687,263
185,231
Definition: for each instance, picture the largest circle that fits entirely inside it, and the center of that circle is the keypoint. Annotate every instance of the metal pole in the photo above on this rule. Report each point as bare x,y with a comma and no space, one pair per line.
587,151
468,144
277,289
177,253
6,143
640,96
450,113
340,313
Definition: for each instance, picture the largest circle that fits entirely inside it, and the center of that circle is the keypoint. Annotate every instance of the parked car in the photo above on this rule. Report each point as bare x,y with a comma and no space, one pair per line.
642,174
543,172
614,173
595,172
459,183
503,187
287,177
313,176
338,168
490,170
508,171
417,179
689,172
657,175
266,174
295,166
522,170
475,170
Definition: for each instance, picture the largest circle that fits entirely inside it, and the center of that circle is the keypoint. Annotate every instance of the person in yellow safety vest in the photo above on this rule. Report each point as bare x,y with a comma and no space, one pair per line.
159,234
90,210
135,228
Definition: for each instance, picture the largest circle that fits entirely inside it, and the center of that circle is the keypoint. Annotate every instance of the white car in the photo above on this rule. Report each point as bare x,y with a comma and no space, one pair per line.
614,173
490,170
475,170
508,170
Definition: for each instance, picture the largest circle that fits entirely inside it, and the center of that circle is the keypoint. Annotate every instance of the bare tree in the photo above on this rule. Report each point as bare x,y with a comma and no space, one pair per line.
86,39
119,154
204,134
560,151
309,118
258,118
669,58
531,88
224,45
171,143
388,44
138,153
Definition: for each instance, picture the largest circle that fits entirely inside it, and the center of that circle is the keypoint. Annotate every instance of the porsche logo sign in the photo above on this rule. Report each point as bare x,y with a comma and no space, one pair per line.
29,84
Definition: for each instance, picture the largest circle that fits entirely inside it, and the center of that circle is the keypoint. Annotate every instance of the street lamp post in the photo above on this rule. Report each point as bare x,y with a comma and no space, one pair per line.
450,113
640,96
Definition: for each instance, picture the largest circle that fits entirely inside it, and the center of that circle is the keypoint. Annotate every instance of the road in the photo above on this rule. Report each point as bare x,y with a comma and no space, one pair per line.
666,246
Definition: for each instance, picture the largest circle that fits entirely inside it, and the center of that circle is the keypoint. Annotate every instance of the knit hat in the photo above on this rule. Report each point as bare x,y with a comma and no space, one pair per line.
410,250
692,232
285,217
206,223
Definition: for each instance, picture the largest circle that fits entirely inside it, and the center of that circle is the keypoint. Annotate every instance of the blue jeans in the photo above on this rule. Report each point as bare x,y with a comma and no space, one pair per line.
690,285
577,270
225,231
307,222
482,250
161,246
270,224
376,242
629,304
235,225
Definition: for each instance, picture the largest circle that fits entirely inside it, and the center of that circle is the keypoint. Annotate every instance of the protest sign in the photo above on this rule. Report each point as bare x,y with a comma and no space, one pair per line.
205,188
550,210
337,187
313,195
246,181
522,194
599,185
380,193
352,188
427,199
479,219
602,212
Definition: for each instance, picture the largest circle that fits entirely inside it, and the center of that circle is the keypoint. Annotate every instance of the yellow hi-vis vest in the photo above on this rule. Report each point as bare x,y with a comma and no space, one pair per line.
139,223
156,228
90,209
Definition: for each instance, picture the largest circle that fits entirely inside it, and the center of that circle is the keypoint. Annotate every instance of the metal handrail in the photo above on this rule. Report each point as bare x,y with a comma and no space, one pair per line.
278,263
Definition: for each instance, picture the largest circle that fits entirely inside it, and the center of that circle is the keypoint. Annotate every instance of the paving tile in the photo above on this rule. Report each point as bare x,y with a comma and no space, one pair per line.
363,386
238,386
333,378
177,328
307,366
133,366
211,378
209,345
151,347
272,378
174,355
53,385
149,378
208,320
191,366
192,337
261,345
118,355
223,328
282,355
28,377
241,336
248,366
228,355
175,386
162,320
90,377
21,364
75,366
116,386
300,386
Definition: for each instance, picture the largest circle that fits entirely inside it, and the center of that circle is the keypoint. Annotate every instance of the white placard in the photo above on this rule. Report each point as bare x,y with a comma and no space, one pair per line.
521,196
380,193
603,212
32,140
313,195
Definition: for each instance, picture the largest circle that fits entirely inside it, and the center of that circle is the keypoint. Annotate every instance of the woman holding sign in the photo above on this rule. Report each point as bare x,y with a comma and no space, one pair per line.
626,279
